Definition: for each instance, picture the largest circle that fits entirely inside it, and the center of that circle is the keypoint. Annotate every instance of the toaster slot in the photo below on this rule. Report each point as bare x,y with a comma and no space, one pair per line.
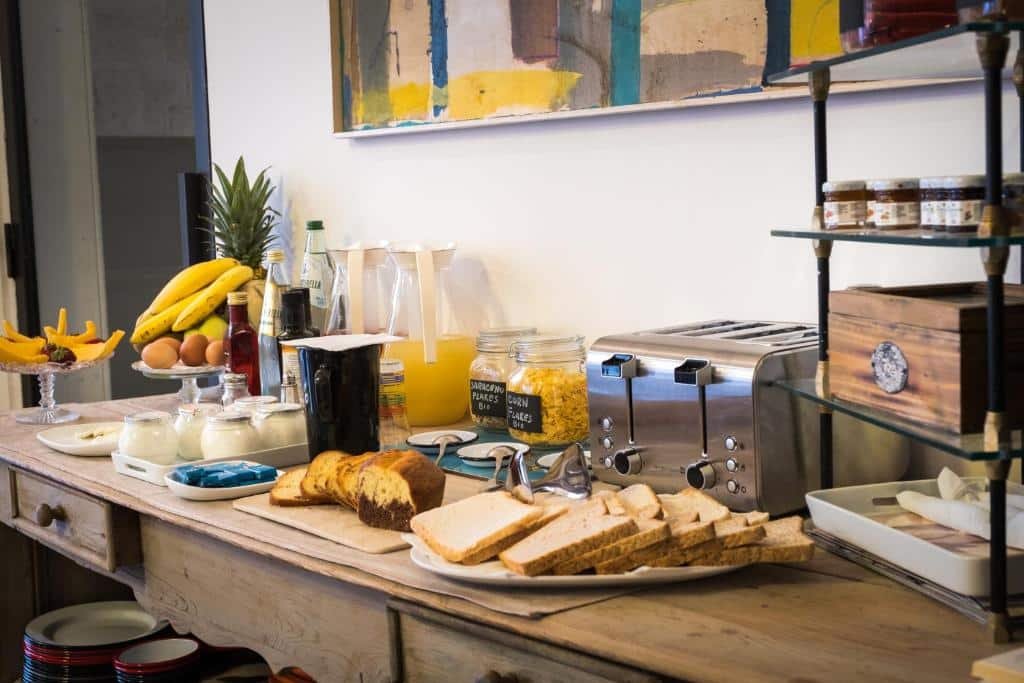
699,373
623,366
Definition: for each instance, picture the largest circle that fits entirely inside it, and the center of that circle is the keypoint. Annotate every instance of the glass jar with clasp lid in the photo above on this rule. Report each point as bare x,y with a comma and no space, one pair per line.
250,404
189,427
489,373
280,424
547,392
229,434
149,436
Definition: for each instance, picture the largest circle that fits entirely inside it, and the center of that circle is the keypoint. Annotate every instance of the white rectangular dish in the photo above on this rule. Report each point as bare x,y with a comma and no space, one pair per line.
154,474
954,560
218,493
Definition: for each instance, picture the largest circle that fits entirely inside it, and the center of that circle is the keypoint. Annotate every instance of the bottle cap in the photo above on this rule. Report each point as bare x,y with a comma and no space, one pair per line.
235,298
275,256
314,225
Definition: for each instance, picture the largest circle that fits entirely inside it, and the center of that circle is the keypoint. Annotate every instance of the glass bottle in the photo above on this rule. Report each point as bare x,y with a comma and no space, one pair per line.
316,273
242,348
236,386
394,422
270,323
293,326
309,312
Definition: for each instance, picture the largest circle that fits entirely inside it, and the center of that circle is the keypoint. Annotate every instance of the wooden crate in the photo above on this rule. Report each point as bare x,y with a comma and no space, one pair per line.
920,352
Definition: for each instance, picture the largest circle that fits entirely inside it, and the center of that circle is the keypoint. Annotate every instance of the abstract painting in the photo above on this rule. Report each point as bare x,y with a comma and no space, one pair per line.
403,63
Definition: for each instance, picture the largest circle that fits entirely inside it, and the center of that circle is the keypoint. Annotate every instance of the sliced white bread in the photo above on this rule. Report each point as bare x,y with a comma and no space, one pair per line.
754,517
611,501
651,531
784,541
690,500
466,527
566,537
551,513
683,536
640,502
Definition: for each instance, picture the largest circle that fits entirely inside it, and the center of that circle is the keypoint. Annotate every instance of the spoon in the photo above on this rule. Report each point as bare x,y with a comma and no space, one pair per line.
443,441
499,453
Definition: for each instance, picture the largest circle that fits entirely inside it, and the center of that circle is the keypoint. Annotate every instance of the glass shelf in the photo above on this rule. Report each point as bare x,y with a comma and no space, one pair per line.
967,446
949,53
916,238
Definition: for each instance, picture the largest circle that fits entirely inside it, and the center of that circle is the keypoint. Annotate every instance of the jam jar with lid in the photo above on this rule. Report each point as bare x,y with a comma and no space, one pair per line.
933,203
965,198
488,375
547,392
897,203
845,203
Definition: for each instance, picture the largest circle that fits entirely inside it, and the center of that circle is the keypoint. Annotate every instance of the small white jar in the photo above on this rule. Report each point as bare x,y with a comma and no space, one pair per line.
189,426
280,424
251,403
229,434
149,436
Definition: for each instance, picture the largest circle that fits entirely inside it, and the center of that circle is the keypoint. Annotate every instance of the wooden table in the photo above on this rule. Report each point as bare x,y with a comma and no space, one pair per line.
827,620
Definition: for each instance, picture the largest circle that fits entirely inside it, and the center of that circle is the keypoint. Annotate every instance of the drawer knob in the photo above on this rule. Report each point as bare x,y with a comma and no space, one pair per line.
45,515
493,676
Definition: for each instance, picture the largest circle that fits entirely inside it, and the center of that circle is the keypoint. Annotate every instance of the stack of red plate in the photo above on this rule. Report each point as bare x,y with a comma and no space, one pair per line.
78,644
159,661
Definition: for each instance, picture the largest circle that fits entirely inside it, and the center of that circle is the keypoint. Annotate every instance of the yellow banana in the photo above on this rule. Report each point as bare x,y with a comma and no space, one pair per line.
189,281
212,297
159,324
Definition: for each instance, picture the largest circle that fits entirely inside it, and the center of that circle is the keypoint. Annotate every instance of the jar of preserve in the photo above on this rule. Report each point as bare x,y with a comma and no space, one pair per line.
189,426
897,203
965,197
280,425
149,436
845,203
933,203
229,435
1013,199
488,375
547,392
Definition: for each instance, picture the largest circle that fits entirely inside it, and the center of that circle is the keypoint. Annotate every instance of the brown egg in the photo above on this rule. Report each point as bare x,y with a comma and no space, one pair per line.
193,350
215,352
170,341
159,356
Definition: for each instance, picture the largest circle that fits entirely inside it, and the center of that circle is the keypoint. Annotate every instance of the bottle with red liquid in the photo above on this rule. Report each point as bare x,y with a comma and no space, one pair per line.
241,344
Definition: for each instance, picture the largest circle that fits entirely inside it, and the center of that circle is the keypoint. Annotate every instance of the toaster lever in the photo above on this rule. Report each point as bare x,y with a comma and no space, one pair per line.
699,373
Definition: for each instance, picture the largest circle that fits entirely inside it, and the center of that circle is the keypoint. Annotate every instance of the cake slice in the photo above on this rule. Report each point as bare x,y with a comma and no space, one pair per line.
316,473
693,500
566,537
287,492
343,483
395,486
650,531
469,526
784,541
640,501
551,513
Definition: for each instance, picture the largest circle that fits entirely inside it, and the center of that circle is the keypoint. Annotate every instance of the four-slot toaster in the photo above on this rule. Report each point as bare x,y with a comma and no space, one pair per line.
698,405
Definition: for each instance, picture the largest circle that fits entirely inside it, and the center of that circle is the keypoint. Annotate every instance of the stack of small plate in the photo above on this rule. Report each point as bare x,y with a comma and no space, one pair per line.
159,661
79,643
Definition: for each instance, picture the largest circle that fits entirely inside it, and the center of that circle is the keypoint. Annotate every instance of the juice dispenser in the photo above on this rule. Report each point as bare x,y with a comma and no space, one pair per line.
363,282
436,352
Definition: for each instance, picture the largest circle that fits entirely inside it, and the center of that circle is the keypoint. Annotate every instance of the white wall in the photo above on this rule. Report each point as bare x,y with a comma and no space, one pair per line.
600,225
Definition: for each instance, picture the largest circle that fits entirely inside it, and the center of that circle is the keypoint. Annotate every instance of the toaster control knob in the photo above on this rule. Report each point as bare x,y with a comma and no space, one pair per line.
608,442
731,443
732,465
700,475
607,423
732,486
627,461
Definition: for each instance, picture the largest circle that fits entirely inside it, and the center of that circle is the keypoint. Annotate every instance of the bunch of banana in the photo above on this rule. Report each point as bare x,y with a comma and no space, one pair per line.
57,346
189,298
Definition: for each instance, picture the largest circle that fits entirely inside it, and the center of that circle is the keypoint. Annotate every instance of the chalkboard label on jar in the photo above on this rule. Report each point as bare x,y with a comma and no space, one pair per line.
524,413
488,398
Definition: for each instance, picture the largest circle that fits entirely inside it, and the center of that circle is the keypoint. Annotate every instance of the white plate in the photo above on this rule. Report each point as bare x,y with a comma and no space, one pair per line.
178,370
221,493
546,461
494,573
94,624
65,439
426,439
476,454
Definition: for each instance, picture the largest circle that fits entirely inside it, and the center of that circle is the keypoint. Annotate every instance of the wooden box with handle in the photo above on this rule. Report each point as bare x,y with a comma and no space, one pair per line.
920,352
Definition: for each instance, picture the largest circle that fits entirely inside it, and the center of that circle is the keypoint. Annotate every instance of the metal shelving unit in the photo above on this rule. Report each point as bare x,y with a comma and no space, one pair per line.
953,52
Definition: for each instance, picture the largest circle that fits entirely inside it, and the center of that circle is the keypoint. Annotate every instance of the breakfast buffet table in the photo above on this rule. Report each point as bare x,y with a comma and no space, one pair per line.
234,579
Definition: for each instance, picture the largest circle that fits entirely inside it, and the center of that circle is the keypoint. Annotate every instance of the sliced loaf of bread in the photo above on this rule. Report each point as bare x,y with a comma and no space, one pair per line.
466,527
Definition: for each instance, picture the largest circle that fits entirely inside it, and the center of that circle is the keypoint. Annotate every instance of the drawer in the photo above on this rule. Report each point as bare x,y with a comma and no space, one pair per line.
433,646
83,527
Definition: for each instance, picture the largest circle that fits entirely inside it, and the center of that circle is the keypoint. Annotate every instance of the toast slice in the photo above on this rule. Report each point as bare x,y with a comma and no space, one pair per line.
688,500
651,531
784,541
734,535
466,527
551,513
317,470
687,555
640,502
566,537
287,492
683,536
754,517
612,502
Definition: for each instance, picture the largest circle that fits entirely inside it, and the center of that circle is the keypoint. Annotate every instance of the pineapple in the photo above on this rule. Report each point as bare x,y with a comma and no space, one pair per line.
242,224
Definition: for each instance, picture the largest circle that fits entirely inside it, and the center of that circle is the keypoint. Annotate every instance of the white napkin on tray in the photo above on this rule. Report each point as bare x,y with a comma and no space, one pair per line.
965,507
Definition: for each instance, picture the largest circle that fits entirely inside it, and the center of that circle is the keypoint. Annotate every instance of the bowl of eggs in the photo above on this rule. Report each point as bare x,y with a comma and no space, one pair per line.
185,359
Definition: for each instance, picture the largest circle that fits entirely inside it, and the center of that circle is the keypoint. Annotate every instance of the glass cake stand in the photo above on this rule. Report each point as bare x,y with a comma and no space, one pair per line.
48,413
188,376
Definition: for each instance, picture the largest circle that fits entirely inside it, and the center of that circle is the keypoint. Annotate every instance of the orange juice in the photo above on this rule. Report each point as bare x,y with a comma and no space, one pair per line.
436,393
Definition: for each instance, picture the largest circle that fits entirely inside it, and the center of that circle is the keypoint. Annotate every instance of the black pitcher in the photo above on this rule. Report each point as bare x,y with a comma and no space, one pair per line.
341,389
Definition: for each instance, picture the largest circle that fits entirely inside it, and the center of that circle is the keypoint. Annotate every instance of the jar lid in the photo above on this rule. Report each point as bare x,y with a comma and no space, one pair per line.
272,408
229,417
236,378
894,184
147,416
193,409
933,183
499,339
253,401
541,348
965,181
842,185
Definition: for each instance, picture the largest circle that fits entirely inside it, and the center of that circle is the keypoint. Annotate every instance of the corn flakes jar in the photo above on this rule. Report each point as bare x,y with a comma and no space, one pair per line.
547,392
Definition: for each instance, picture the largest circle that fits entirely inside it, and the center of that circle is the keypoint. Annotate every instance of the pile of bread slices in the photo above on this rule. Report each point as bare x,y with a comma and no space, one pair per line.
610,533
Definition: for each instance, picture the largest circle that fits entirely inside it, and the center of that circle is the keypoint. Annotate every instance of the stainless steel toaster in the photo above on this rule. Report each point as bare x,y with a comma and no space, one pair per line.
694,405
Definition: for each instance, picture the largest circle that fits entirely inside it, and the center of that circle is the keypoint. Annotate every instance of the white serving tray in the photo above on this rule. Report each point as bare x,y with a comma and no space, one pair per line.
154,474
218,493
494,573
955,560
